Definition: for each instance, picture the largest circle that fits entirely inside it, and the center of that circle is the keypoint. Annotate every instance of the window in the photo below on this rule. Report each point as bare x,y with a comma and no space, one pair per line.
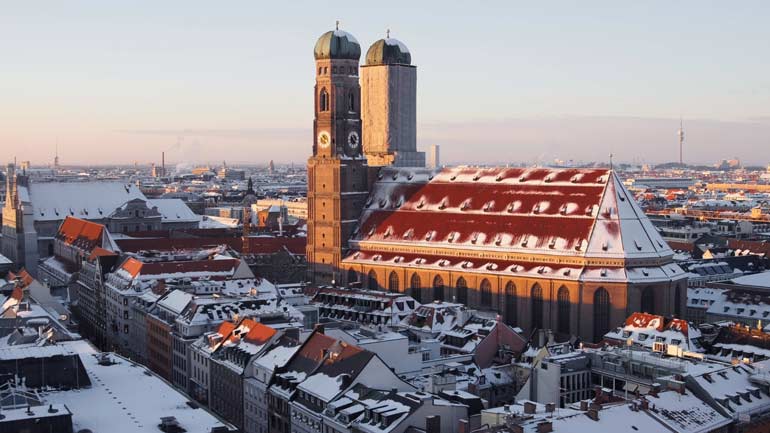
372,281
462,291
678,301
486,293
601,313
536,297
648,300
352,276
511,303
351,102
563,310
323,100
416,287
393,282
438,288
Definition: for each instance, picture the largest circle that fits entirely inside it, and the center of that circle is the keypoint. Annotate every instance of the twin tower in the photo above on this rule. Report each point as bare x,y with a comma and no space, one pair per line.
355,130
384,99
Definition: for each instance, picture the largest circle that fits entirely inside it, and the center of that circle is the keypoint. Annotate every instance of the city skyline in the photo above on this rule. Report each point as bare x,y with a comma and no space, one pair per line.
574,83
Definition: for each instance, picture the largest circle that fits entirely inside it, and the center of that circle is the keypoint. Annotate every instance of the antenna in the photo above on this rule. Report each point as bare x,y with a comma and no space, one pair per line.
387,33
611,161
337,25
680,133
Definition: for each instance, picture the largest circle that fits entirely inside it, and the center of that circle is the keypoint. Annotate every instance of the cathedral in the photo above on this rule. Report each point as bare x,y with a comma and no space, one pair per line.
563,249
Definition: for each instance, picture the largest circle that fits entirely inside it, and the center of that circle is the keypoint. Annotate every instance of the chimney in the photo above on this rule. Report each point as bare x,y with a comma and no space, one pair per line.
433,424
550,407
517,428
464,426
645,404
545,427
529,407
583,405
319,328
593,414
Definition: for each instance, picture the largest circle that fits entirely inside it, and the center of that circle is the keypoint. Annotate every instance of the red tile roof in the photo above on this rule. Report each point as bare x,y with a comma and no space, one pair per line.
135,267
80,233
101,252
575,212
26,278
257,245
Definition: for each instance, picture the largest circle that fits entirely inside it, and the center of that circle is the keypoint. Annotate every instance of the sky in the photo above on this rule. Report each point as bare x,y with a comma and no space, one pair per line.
498,82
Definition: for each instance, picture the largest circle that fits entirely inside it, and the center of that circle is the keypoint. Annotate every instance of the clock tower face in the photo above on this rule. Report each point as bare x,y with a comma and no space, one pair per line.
324,139
353,144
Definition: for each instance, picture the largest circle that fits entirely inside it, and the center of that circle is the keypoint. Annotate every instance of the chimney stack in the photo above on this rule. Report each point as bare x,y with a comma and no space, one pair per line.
593,414
433,424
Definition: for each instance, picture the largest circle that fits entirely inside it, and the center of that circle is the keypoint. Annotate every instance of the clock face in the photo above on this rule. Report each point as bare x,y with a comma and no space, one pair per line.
353,140
324,139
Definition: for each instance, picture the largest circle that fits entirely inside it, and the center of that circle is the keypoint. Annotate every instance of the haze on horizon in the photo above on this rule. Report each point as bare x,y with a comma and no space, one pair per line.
499,82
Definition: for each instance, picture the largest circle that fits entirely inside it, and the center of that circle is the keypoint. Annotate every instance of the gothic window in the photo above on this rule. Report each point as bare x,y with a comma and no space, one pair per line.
372,283
536,297
393,281
511,303
486,293
416,286
563,317
601,313
438,288
351,102
678,302
323,100
648,300
462,291
352,276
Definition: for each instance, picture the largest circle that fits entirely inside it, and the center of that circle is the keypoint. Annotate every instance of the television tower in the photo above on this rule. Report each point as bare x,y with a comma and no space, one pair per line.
680,133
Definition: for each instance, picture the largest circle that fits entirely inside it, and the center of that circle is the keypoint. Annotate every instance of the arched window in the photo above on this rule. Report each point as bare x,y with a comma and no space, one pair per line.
416,287
648,300
393,281
323,100
352,276
511,303
372,283
486,293
351,102
537,306
564,310
678,302
462,291
438,288
601,313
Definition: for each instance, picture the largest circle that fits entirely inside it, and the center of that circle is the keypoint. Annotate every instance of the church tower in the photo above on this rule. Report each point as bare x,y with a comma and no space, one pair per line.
337,171
389,105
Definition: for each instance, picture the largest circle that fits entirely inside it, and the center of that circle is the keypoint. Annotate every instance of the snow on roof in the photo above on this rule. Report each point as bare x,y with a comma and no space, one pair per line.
323,386
647,329
761,279
174,210
54,201
176,301
575,212
127,398
276,357
221,268
734,388
437,317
